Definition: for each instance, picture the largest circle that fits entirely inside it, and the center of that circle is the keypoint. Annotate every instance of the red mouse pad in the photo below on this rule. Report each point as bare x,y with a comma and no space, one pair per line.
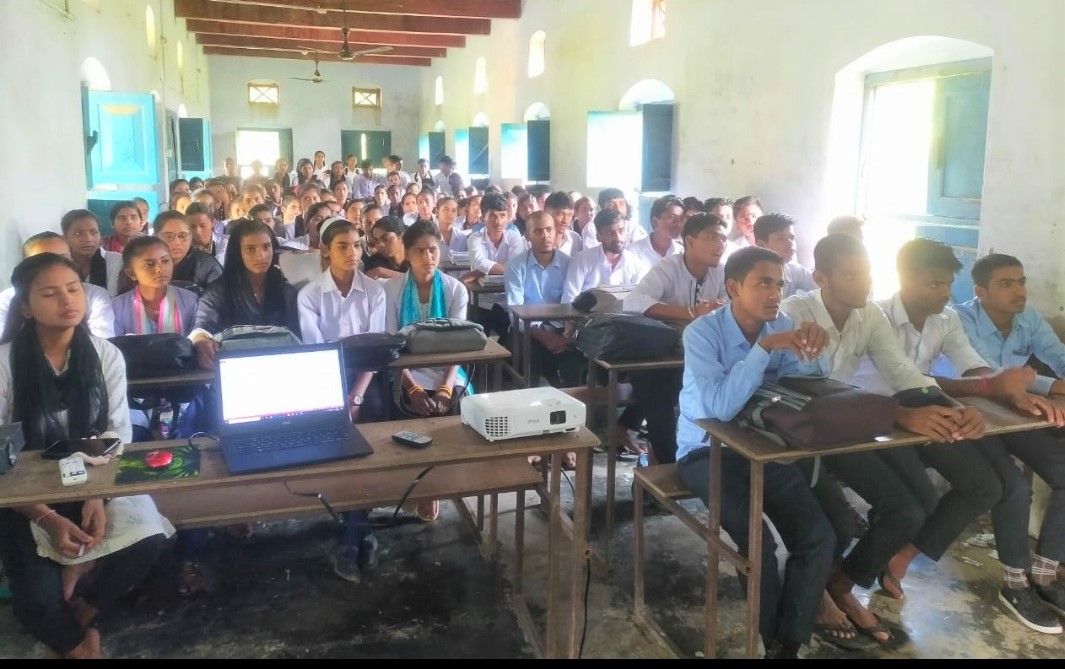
134,467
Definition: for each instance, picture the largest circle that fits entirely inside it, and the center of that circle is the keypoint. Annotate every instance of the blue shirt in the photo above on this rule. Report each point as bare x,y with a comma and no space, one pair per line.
1030,335
529,283
722,370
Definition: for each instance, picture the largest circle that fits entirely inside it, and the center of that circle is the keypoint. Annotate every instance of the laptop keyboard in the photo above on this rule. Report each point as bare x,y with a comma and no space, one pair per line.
279,442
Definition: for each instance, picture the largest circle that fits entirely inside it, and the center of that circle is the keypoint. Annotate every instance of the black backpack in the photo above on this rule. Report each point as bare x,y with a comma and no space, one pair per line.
149,355
617,337
371,351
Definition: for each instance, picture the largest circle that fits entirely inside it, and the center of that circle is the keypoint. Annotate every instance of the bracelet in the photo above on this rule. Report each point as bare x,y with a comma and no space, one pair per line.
414,389
38,519
445,390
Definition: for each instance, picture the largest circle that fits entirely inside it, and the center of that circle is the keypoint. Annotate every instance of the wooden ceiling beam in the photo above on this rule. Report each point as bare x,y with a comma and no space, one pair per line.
296,55
274,44
369,37
471,9
297,18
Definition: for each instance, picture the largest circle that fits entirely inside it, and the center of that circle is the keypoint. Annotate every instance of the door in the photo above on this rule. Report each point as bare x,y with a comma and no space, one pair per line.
657,148
120,139
372,145
194,137
959,141
170,146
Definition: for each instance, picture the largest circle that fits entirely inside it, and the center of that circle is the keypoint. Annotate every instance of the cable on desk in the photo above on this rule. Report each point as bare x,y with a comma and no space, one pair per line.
406,494
587,588
215,448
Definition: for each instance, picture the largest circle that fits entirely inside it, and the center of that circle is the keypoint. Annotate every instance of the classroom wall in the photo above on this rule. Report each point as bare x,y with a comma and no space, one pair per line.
316,113
45,43
755,88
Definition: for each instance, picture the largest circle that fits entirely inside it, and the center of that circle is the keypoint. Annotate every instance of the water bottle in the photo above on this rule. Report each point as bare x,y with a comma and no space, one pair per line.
166,420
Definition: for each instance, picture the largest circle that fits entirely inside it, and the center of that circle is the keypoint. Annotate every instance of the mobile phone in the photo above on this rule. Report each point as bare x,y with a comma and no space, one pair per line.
93,447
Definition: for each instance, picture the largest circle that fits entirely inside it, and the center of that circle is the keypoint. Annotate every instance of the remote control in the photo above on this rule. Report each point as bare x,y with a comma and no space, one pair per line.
412,439
72,471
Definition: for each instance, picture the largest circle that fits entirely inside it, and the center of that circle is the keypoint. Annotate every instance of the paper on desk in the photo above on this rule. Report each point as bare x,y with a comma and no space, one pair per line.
129,520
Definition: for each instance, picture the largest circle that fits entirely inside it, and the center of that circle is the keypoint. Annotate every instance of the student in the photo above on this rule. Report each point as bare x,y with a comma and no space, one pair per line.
351,168
286,178
364,185
926,328
142,207
126,224
395,201
274,196
202,225
263,213
667,225
85,397
341,303
888,480
336,175
490,250
320,168
99,317
540,193
746,211
607,263
693,206
614,198
371,213
152,305
474,219
193,269
307,227
409,205
305,263
583,213
424,175
680,288
777,233
389,259
453,239
353,212
727,355
1005,331
305,172
559,206
342,192
395,164
426,206
448,181
95,265
722,207
195,183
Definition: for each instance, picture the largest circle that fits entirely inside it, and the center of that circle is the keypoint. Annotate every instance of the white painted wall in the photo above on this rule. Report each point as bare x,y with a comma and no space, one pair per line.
754,83
316,113
44,45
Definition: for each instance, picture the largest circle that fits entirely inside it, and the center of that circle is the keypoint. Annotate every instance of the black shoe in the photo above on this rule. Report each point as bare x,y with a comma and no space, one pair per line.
1053,595
368,553
1029,608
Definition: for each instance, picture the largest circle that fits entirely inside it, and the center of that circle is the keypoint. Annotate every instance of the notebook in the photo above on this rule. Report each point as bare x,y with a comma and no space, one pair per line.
285,407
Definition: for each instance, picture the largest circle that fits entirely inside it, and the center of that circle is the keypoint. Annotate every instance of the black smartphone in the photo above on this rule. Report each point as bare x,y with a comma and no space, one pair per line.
94,447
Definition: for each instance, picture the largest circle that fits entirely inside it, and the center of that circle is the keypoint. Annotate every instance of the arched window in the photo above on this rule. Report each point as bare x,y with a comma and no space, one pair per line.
536,53
94,76
480,75
648,21
537,111
150,31
481,120
182,111
439,91
439,127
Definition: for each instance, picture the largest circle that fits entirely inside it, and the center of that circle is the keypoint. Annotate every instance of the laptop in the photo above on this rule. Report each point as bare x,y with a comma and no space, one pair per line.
285,407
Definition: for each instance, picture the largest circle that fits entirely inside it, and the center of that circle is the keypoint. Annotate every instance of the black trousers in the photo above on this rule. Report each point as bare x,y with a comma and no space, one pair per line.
1045,454
787,608
561,370
657,393
37,582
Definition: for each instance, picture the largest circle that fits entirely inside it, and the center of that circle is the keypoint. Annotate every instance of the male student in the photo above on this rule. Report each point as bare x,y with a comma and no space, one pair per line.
1006,332
364,183
202,225
667,224
448,181
614,198
536,277
490,249
609,262
680,288
777,232
885,479
727,355
977,471
745,211
559,206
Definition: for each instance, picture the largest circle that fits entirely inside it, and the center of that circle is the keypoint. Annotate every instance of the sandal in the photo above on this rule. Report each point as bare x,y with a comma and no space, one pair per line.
834,634
190,580
895,635
428,510
891,586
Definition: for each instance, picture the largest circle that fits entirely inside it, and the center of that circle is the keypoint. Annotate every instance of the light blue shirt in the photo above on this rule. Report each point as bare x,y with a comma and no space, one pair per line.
722,370
527,282
1030,335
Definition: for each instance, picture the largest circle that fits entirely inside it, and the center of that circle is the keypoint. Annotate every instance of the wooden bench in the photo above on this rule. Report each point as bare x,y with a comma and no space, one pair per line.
597,396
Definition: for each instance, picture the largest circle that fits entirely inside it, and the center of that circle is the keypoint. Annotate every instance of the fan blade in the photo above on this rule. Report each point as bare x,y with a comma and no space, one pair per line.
379,49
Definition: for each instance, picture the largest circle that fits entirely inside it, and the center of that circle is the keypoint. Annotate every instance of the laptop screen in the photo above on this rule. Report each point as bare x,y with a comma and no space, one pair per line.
281,385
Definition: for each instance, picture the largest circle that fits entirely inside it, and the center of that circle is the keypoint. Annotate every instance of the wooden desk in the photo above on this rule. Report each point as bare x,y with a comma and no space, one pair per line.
476,289
759,451
521,316
614,370
35,481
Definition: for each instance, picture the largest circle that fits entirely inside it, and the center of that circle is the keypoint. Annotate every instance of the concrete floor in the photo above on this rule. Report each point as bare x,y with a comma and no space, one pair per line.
435,596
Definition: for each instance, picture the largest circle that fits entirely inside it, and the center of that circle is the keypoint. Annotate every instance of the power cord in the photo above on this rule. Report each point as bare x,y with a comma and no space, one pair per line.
337,517
587,589
204,449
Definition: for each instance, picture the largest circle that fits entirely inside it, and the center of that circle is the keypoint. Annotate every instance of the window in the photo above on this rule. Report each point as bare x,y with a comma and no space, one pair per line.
182,111
439,93
150,31
180,56
648,21
480,120
536,53
94,76
366,98
480,76
515,152
261,145
264,93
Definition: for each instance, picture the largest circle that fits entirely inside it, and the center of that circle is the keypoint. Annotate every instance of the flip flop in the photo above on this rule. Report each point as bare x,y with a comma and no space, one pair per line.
887,579
896,635
829,633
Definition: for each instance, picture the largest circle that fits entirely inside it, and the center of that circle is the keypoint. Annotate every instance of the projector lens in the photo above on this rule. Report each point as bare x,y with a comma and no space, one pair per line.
558,417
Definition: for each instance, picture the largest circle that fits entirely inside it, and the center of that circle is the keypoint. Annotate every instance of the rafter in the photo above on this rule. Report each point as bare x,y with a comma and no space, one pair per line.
479,9
370,37
273,44
295,55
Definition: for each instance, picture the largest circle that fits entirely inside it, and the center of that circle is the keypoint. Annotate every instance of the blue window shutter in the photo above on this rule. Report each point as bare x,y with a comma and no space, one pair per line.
657,147
121,140
959,140
479,150
539,150
437,149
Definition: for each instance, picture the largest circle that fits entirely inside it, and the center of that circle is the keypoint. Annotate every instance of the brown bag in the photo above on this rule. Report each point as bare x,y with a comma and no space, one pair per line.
814,413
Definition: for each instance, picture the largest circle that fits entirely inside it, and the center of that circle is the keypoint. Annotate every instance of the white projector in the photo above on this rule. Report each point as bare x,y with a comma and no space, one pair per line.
522,413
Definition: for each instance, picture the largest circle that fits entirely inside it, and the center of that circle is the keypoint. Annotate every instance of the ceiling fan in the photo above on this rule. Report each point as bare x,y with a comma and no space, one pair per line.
345,51
316,78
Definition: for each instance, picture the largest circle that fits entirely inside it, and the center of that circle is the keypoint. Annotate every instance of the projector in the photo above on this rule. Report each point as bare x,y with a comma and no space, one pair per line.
513,414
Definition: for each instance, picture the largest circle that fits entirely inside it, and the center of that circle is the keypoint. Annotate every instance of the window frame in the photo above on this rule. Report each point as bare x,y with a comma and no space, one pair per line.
365,92
263,85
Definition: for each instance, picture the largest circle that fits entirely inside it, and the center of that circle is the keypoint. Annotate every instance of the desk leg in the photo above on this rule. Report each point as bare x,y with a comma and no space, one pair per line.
591,408
580,553
611,461
713,551
554,533
497,376
519,543
754,556
526,353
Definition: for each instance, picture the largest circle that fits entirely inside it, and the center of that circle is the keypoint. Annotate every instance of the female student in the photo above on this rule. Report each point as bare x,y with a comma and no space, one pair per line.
152,305
453,239
193,269
60,381
389,259
345,302
96,266
425,292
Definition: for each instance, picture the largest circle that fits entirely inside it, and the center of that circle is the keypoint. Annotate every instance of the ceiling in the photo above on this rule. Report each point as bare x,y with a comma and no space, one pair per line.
416,31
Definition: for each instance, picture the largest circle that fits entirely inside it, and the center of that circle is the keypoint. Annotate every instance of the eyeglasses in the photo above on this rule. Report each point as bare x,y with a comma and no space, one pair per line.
179,236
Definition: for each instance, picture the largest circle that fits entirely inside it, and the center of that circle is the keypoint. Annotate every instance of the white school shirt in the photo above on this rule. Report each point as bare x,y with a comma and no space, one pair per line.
459,242
114,266
635,232
326,315
797,279
457,298
571,243
670,282
99,314
484,254
590,269
113,366
646,252
866,332
363,188
301,268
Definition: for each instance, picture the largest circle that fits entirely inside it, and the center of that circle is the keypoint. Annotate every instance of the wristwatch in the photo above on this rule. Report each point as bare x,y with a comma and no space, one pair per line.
356,400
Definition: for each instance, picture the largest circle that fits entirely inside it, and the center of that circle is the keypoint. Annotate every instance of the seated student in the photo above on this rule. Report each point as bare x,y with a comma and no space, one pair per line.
193,269
583,213
889,480
680,288
389,259
693,206
667,225
126,224
926,328
473,221
409,205
99,317
344,302
559,206
365,184
380,197
395,201
353,212
95,265
85,397
313,215
745,211
777,232
614,198
454,240
490,250
371,213
1005,331
727,355
202,224
525,206
609,262
722,207
251,197
426,206
425,292
142,207
290,210
152,305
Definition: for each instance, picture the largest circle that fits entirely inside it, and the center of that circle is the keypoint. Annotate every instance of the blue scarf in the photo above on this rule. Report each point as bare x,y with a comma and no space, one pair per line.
410,308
